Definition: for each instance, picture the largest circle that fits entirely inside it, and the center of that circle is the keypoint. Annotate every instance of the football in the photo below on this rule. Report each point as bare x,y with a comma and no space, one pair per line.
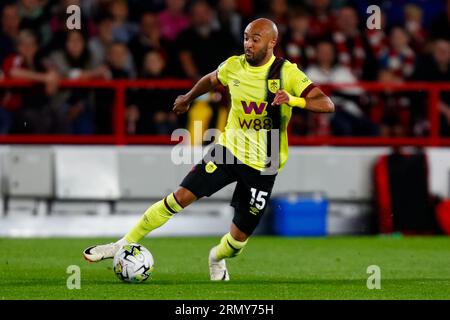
133,263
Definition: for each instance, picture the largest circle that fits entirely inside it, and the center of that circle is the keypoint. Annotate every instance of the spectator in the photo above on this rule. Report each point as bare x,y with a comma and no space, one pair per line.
202,47
137,7
123,30
35,15
59,19
27,110
173,19
191,41
104,38
377,38
90,8
349,119
397,65
150,110
436,68
441,25
99,44
117,60
231,20
320,23
352,47
327,70
154,66
399,58
10,30
298,46
414,27
391,109
75,62
279,14
148,39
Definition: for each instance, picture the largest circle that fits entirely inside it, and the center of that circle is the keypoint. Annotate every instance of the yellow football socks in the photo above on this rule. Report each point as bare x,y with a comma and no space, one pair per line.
229,247
155,216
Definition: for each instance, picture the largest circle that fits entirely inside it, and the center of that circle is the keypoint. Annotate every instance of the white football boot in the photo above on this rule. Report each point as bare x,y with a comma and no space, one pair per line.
102,252
217,268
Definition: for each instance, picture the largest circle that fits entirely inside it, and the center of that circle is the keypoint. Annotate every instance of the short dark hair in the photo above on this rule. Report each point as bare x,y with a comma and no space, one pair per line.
104,16
196,2
299,12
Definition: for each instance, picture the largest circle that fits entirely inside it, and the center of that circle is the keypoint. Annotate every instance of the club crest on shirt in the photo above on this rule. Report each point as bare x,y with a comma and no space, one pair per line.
273,85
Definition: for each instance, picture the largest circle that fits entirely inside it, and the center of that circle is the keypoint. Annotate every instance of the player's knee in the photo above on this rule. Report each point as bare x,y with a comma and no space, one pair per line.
184,197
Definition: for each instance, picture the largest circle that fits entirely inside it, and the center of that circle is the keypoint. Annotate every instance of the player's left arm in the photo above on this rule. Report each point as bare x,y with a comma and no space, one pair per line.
315,100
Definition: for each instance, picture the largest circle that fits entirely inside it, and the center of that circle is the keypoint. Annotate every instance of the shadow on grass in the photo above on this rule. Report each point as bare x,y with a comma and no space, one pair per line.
267,281
253,281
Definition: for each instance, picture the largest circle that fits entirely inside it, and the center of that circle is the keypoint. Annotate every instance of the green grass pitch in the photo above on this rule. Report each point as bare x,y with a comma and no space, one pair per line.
269,268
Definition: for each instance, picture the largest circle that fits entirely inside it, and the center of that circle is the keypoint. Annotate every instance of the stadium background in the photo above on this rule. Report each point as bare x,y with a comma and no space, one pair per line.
86,124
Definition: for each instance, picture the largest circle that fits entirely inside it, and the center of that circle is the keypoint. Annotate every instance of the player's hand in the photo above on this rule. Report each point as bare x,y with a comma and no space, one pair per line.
280,97
181,105
52,79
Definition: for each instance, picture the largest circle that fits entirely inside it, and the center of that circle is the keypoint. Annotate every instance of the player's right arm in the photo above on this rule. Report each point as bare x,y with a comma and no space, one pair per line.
204,85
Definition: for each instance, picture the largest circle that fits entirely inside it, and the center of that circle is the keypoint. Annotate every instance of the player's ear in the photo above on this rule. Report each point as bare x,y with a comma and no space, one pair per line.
272,43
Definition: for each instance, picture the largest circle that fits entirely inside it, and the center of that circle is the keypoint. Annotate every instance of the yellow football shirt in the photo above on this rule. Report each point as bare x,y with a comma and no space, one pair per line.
245,134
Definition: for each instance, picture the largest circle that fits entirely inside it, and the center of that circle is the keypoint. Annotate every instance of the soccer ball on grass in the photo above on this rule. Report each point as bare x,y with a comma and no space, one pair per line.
133,263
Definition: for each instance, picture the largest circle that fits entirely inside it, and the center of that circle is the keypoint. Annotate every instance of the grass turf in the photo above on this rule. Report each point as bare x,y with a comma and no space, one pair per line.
269,268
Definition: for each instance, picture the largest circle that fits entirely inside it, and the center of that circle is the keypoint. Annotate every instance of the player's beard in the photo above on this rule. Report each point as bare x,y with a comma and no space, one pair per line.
257,57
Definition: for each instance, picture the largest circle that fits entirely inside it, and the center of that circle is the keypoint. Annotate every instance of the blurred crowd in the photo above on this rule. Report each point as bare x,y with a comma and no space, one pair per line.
156,39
